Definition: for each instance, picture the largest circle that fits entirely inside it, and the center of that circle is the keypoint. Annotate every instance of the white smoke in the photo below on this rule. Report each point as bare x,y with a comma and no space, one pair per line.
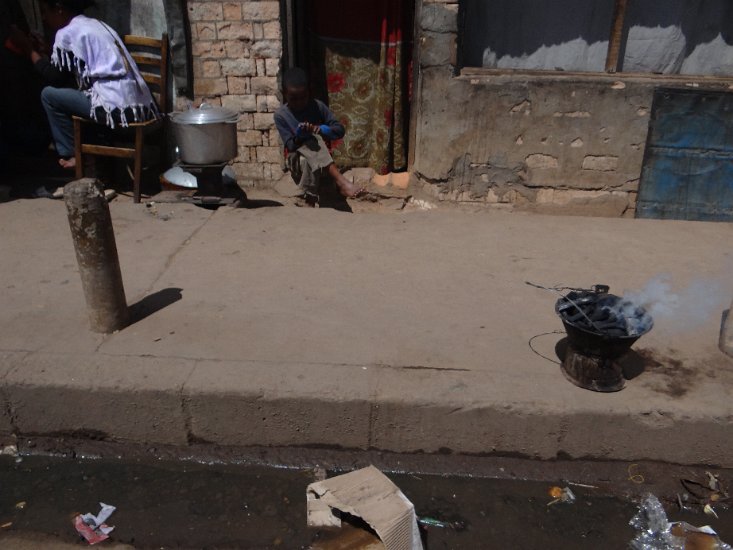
681,310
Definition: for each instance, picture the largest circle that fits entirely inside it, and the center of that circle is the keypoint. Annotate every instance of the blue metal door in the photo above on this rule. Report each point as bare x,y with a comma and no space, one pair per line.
688,161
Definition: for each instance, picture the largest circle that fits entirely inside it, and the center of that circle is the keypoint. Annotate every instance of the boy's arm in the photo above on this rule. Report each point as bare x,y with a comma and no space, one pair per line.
288,137
331,127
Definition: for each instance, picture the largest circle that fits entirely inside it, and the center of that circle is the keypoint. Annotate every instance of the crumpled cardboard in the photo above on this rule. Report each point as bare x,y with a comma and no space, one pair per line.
370,495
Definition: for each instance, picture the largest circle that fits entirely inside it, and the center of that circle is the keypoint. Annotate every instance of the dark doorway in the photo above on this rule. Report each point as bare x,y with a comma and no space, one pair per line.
358,55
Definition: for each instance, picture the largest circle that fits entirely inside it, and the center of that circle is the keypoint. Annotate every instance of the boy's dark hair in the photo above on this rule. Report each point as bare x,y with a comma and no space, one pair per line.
295,78
76,7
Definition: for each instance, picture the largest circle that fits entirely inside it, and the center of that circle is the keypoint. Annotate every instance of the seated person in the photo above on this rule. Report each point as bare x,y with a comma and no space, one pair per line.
110,90
303,123
23,126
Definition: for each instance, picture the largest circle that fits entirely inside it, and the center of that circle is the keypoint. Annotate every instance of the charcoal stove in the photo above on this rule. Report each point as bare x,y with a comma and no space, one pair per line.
601,329
214,187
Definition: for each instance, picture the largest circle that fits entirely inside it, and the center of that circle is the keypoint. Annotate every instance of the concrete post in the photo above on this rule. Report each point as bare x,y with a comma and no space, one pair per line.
726,332
96,253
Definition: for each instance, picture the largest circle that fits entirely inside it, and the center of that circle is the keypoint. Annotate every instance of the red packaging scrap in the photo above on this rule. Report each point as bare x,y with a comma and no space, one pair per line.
92,527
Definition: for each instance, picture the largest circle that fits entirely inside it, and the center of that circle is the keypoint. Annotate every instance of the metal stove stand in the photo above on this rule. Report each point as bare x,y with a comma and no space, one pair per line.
212,189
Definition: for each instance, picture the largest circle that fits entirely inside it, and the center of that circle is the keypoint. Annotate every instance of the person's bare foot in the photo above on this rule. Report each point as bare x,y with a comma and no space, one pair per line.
347,188
68,164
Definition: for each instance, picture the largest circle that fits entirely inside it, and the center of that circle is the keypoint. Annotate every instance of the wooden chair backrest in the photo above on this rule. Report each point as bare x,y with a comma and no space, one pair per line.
151,56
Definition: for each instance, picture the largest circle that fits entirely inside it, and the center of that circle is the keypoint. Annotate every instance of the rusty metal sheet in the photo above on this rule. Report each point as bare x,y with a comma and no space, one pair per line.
688,161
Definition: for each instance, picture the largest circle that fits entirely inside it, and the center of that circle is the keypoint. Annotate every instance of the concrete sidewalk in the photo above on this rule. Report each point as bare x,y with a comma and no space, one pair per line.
402,331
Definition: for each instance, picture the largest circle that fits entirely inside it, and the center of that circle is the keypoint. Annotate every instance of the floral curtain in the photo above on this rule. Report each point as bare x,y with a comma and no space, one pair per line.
366,80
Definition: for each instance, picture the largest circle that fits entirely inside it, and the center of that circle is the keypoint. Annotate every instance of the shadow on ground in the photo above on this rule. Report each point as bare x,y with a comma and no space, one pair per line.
154,303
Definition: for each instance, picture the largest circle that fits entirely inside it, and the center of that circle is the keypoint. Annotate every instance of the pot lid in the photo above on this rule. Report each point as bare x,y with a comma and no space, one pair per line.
206,114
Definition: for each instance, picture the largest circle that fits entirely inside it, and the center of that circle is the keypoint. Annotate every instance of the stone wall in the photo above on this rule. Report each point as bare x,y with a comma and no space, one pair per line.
552,138
237,50
488,136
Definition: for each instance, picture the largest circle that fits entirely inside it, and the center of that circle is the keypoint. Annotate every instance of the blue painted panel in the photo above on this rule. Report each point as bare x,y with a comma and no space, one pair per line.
688,162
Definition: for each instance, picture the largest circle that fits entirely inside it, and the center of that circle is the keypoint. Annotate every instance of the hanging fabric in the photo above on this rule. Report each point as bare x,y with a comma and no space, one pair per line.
366,51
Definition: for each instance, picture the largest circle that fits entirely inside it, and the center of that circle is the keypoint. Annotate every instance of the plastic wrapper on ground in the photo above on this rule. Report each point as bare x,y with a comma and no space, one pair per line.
657,533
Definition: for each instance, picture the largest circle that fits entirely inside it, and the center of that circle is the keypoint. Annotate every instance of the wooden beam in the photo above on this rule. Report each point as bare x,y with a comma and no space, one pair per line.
614,42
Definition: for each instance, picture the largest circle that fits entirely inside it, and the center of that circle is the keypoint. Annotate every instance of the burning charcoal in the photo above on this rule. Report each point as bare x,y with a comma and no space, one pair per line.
600,314
609,326
564,307
575,317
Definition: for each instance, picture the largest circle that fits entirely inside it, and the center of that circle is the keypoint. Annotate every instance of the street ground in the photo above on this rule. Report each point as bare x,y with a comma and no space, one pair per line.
407,330
255,498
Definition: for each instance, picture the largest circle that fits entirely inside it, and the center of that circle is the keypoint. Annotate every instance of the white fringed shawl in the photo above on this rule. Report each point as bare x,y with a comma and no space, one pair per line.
87,47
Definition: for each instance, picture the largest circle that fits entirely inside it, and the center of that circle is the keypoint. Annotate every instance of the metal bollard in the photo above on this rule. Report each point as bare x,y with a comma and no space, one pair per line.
726,332
96,253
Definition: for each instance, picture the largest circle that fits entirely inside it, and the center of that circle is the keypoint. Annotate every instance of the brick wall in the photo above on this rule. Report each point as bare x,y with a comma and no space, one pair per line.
236,49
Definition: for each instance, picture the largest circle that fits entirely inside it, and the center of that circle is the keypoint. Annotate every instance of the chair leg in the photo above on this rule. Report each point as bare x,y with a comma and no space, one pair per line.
77,150
138,167
163,148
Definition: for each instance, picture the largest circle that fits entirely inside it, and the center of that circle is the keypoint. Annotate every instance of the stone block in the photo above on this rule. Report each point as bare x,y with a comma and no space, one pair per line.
246,122
272,155
237,48
272,30
238,67
210,69
259,31
437,49
440,18
267,49
240,103
263,121
205,11
210,86
274,171
205,31
264,85
272,67
600,163
401,180
261,67
260,11
249,170
238,84
232,11
181,103
204,49
541,162
381,180
267,103
251,138
273,137
545,195
229,30
243,154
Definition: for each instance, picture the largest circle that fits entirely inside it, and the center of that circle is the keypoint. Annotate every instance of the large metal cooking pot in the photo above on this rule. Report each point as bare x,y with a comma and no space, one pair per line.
207,135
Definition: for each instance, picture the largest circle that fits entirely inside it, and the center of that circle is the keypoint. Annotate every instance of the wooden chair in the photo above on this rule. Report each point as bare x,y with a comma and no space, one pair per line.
151,56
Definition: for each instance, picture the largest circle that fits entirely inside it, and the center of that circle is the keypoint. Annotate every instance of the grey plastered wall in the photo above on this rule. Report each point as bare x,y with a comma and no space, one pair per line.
522,137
